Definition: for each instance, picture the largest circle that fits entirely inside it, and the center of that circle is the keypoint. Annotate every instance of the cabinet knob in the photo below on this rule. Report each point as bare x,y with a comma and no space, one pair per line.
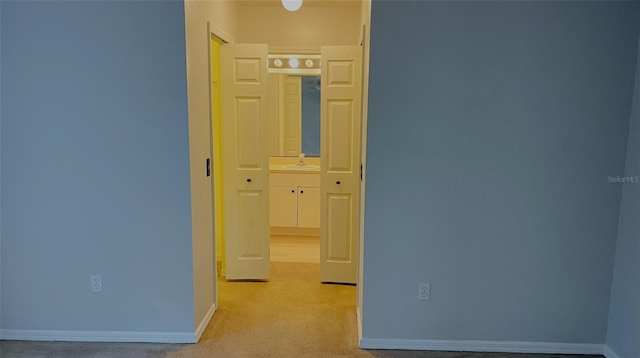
301,191
249,180
293,191
338,182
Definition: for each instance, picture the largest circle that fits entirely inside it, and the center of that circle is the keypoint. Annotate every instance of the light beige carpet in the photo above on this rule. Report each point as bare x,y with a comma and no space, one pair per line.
292,315
286,248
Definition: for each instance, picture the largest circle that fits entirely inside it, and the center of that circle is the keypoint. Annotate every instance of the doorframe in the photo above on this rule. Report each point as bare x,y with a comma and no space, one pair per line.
364,42
214,30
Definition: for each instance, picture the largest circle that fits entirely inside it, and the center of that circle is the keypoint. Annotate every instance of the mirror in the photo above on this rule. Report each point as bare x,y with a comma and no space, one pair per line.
294,115
311,116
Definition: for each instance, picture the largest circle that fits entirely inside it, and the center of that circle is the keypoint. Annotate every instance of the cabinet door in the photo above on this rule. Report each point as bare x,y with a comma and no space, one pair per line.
284,206
309,207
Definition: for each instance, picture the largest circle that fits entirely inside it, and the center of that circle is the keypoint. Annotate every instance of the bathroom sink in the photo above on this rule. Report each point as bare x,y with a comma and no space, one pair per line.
301,167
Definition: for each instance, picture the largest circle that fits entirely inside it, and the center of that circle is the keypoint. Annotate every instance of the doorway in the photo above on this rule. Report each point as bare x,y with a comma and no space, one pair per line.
253,16
294,163
292,297
255,23
249,176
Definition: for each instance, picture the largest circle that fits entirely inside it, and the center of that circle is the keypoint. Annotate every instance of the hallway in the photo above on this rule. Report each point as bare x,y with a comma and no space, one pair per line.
291,315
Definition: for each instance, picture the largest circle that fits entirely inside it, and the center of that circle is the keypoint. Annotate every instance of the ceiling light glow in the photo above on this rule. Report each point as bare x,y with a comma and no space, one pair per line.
292,5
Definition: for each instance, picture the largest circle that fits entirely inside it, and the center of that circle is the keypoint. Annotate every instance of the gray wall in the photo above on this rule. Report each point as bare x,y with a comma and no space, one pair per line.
492,129
0,166
95,167
490,140
623,335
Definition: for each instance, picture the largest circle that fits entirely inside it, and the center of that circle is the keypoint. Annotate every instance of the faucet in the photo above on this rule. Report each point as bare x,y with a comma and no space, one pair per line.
301,160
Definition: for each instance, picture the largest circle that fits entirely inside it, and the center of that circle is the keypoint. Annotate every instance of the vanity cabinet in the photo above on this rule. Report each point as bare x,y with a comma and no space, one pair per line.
294,200
308,207
283,202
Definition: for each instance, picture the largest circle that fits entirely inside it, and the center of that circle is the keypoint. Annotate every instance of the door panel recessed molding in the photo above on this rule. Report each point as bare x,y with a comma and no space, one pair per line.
339,206
340,129
249,129
247,71
340,73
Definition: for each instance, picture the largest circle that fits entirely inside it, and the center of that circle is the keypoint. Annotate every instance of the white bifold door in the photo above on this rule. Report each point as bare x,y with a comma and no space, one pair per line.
340,169
246,162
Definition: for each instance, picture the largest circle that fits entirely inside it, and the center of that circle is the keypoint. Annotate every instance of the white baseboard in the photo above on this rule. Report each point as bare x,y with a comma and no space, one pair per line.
205,322
109,336
97,336
482,346
610,353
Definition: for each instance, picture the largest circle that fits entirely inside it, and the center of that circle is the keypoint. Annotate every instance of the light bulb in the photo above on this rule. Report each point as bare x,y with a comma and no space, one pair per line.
292,5
293,63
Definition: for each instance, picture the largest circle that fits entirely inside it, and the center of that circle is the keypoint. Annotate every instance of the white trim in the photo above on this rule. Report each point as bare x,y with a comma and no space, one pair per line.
610,353
205,321
294,55
482,346
366,33
97,336
359,326
275,50
220,33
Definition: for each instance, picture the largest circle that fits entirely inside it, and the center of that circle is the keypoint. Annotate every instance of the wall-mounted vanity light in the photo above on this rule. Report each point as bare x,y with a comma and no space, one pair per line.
292,5
294,64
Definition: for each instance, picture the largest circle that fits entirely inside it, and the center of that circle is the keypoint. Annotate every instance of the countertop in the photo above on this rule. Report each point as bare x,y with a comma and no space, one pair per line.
288,165
286,169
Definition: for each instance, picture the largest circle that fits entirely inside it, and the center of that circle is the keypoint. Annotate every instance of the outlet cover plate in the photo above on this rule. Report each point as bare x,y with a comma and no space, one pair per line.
424,291
96,283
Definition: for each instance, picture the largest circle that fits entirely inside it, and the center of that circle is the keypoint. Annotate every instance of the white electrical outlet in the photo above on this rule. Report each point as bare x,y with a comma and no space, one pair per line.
424,291
96,283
